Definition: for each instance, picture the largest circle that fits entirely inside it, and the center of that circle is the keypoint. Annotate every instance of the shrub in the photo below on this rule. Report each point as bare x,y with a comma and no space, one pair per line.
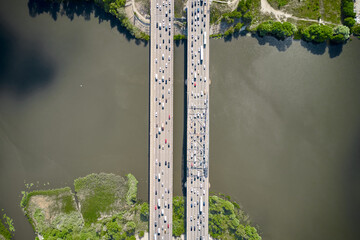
144,212
317,33
238,26
356,30
229,32
349,21
348,9
343,30
276,29
338,38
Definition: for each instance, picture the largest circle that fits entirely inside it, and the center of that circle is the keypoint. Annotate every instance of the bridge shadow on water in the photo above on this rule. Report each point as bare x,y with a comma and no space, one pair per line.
24,66
72,9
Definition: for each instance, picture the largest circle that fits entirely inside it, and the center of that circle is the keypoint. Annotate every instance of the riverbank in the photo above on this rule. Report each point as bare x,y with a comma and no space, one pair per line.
310,20
7,228
105,206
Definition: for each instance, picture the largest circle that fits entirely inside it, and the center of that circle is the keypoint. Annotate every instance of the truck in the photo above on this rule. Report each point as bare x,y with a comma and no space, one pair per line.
204,38
201,205
202,53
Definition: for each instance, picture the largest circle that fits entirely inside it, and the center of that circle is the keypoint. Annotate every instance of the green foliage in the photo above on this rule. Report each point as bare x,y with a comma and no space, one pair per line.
215,14
141,234
99,194
347,9
229,17
178,37
228,222
144,212
130,228
317,33
356,30
276,29
238,26
132,189
343,30
349,21
338,38
9,222
54,192
278,3
71,225
178,216
229,32
247,18
4,231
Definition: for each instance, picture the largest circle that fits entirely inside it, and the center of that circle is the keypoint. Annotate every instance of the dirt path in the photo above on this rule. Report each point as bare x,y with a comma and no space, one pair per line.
283,16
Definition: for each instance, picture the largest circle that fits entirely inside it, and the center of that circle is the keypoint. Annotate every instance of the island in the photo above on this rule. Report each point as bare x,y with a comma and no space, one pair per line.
106,206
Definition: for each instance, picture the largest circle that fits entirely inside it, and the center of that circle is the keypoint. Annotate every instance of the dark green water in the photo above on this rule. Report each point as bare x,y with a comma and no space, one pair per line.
285,118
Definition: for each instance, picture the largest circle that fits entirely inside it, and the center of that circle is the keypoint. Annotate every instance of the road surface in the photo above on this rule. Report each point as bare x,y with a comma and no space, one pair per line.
197,184
161,120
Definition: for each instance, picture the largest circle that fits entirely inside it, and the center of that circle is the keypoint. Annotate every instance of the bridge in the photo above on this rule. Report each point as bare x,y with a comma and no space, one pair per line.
197,183
161,120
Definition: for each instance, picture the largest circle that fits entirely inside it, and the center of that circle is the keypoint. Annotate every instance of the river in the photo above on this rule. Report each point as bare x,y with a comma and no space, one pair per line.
284,118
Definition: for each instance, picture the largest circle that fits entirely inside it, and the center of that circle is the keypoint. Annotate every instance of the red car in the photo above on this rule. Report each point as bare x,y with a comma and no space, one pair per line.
169,116
165,141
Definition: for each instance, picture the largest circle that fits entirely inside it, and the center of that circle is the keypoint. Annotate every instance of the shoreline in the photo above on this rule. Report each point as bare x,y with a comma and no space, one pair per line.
106,205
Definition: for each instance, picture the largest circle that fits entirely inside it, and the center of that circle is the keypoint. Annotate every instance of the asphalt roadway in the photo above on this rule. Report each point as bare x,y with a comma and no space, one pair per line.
197,184
161,120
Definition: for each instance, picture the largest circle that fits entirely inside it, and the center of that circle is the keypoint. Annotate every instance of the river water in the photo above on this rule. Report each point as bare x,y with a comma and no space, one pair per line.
285,118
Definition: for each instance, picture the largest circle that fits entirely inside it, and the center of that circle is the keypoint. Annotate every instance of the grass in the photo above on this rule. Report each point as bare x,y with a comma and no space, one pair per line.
131,195
277,4
4,231
226,219
97,194
63,195
305,9
104,207
178,8
332,11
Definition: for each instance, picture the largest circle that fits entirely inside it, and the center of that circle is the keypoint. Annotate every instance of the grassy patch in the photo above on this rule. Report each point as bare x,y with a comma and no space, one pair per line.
179,8
226,219
277,4
332,11
131,195
97,194
4,231
178,216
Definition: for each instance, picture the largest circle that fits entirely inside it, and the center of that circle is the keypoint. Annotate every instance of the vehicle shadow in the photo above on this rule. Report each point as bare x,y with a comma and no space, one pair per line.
72,9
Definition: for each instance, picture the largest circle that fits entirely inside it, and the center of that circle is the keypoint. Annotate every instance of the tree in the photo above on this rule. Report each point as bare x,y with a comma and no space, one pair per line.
344,30
338,38
317,33
348,9
130,227
144,212
265,28
356,30
349,21
247,17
